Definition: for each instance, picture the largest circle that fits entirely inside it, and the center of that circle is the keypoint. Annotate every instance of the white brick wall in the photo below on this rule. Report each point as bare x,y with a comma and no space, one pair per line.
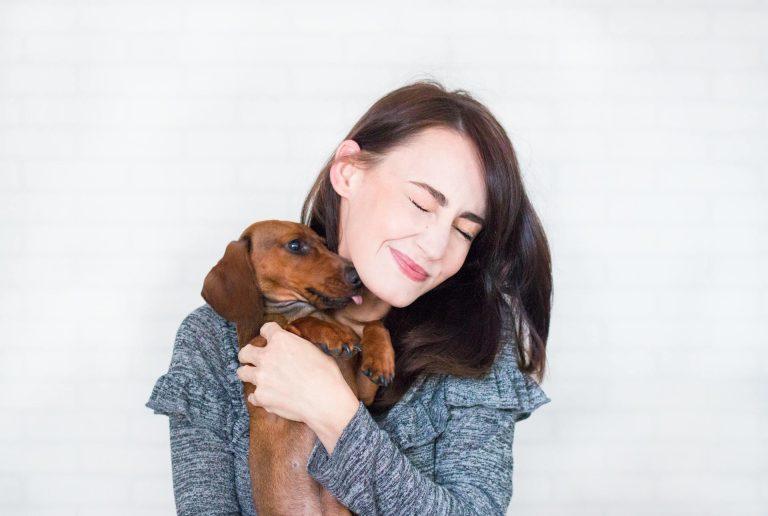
137,138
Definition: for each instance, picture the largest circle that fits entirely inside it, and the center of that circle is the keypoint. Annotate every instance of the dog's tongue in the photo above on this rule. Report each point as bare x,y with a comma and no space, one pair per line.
358,300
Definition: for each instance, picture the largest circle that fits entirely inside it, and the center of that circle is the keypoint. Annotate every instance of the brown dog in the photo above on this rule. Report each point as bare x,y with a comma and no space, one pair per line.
282,271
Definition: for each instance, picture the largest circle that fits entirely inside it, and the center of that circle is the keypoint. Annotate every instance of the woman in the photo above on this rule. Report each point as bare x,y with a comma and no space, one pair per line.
424,196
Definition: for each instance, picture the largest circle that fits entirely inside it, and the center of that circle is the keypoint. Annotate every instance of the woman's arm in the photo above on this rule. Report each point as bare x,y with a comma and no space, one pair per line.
369,474
357,461
203,471
197,407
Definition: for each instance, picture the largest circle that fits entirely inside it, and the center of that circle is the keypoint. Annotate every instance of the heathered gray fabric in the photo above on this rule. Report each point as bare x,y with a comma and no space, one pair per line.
444,448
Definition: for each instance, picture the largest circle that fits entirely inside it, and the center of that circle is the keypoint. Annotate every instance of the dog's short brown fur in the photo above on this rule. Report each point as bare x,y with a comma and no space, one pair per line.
282,271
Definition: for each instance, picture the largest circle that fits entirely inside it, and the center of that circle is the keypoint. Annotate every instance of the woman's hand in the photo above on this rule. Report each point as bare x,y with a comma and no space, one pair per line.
297,381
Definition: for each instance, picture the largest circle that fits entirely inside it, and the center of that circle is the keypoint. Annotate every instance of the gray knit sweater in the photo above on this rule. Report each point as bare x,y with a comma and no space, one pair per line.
444,448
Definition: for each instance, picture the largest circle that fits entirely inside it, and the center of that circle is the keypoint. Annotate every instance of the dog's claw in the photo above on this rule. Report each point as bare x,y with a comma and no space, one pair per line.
381,380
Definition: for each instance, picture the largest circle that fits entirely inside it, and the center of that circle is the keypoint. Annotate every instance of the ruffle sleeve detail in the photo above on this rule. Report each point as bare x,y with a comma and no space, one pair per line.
505,387
176,393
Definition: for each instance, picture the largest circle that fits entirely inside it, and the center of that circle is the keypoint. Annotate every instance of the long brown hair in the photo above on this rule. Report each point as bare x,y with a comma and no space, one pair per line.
456,328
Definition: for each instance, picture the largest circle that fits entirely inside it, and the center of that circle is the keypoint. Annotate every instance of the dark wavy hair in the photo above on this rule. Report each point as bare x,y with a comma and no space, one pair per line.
457,327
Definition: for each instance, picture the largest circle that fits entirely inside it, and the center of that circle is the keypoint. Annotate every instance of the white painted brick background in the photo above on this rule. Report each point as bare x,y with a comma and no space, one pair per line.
137,138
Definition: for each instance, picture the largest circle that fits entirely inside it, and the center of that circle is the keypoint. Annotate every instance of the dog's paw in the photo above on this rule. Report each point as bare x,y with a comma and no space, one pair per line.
344,350
380,370
332,338
350,350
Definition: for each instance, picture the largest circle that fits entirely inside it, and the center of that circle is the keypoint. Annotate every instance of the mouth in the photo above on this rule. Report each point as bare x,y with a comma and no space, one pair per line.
289,302
408,266
335,302
282,304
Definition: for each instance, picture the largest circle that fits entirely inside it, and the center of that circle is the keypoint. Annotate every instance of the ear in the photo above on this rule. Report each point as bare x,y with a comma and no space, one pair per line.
231,287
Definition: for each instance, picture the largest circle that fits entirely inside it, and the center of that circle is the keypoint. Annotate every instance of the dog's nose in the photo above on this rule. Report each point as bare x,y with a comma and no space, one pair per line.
352,277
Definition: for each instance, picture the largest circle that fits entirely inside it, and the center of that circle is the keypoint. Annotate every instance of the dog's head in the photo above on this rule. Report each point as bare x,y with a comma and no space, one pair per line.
281,263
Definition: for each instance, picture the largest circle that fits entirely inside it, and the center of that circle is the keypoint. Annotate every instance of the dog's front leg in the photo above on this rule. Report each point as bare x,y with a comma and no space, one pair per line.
334,339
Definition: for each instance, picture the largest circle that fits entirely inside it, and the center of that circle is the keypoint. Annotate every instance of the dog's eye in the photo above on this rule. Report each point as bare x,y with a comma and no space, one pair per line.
295,246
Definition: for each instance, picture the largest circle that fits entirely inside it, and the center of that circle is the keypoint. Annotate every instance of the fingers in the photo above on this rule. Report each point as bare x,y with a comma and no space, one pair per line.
247,373
268,329
249,354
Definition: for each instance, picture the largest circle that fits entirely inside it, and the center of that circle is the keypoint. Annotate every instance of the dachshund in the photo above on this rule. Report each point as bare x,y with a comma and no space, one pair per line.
282,271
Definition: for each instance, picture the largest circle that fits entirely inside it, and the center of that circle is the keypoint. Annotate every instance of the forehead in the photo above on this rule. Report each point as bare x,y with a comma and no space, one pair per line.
444,159
439,148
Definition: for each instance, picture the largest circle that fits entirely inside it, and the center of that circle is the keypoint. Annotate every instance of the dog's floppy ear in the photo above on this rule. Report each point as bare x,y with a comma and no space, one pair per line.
231,288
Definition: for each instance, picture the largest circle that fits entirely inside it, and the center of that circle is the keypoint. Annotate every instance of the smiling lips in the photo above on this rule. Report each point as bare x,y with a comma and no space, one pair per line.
408,266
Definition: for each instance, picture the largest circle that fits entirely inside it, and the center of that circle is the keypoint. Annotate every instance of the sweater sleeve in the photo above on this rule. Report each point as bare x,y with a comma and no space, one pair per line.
197,406
473,462
369,474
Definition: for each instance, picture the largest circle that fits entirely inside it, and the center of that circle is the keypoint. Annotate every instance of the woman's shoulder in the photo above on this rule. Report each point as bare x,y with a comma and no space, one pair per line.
201,379
203,322
504,387
424,410
206,339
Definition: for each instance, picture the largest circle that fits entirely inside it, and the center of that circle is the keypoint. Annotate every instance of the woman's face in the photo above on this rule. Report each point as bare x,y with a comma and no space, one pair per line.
421,204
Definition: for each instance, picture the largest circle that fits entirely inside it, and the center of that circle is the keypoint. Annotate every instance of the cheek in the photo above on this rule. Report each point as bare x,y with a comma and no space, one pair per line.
383,219
368,228
452,264
396,224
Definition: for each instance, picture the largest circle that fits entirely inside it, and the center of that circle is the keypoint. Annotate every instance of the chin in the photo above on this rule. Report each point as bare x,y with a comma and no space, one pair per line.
392,297
401,303
401,299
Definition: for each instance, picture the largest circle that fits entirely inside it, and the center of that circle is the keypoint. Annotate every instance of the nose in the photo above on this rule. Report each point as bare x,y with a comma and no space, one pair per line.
434,241
350,274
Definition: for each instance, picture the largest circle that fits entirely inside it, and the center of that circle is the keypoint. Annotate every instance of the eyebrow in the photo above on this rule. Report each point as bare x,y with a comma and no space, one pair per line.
443,201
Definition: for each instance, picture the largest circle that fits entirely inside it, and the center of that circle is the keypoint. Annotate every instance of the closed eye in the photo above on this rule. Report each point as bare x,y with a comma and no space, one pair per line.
468,237
419,207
